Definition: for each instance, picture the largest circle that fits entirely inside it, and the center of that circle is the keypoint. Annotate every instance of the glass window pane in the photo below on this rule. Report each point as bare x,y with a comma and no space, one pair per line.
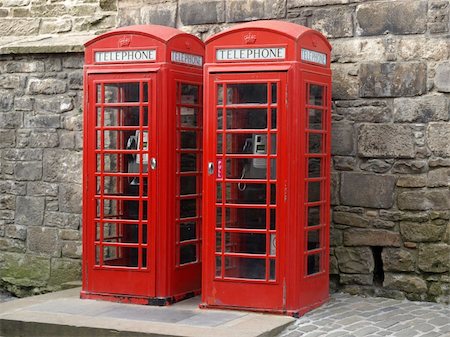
314,216
125,116
188,208
218,266
273,123
219,119
273,219
240,193
189,94
188,162
246,118
274,92
316,94
315,119
248,218
219,193
188,254
315,143
189,116
188,140
218,241
272,270
314,191
247,93
218,217
121,92
219,94
120,256
241,168
188,185
240,267
314,239
314,167
246,243
219,143
313,264
187,231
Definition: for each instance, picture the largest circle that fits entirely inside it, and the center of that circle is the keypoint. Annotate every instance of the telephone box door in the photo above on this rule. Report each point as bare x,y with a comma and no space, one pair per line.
120,182
244,189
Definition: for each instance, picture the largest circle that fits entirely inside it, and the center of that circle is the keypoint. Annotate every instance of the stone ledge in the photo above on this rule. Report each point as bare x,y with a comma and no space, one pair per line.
48,44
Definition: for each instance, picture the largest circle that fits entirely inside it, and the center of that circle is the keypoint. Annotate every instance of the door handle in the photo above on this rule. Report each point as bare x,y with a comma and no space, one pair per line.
210,168
153,163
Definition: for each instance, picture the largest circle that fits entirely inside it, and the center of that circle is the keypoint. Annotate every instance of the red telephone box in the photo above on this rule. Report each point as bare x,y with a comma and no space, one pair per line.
142,165
267,168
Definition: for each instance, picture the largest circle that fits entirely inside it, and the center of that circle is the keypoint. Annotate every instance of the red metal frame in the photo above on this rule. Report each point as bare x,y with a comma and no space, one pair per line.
128,206
302,178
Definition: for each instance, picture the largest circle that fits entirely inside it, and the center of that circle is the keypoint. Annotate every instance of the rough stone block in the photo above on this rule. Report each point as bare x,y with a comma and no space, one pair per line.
12,81
16,232
441,79
396,260
412,181
355,260
421,232
57,104
422,47
55,26
10,120
424,109
70,234
11,245
62,166
19,27
436,199
6,100
48,86
43,240
345,82
357,49
23,103
75,61
395,17
334,188
434,258
249,10
438,135
7,201
20,266
392,79
7,138
367,190
13,187
70,198
72,249
344,163
76,80
405,282
29,211
371,237
53,64
160,14
64,270
129,17
350,219
31,66
28,170
371,111
410,166
197,13
342,138
42,189
439,177
383,224
42,121
439,162
385,141
361,279
43,139
333,22
376,165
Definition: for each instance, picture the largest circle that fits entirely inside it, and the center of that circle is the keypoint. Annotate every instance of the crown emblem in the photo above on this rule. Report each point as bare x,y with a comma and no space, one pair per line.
188,45
249,38
124,41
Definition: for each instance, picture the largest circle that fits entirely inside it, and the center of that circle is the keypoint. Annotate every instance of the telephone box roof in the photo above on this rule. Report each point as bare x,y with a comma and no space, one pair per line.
162,33
289,29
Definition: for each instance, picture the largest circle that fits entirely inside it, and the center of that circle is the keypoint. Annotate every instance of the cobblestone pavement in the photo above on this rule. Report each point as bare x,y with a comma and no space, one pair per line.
355,316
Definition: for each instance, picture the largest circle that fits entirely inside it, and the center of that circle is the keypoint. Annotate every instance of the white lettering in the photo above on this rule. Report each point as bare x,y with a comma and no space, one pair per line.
313,56
269,53
193,60
125,55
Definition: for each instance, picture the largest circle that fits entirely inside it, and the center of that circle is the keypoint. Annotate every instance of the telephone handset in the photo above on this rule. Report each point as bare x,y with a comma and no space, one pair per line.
255,145
134,143
259,147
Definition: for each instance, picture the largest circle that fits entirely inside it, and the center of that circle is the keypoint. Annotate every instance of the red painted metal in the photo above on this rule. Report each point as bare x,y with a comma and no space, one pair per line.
141,224
267,147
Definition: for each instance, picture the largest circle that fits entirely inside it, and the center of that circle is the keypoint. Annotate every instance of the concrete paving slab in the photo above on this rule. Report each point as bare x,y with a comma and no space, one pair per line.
64,314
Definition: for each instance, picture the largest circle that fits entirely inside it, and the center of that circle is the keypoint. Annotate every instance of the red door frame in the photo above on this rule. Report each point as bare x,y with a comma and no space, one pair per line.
116,280
240,293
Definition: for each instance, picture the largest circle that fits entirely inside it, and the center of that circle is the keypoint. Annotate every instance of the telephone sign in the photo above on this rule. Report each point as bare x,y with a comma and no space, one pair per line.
142,165
266,206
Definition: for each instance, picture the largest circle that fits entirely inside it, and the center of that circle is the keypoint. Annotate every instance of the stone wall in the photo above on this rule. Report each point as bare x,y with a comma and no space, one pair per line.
390,233
40,171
